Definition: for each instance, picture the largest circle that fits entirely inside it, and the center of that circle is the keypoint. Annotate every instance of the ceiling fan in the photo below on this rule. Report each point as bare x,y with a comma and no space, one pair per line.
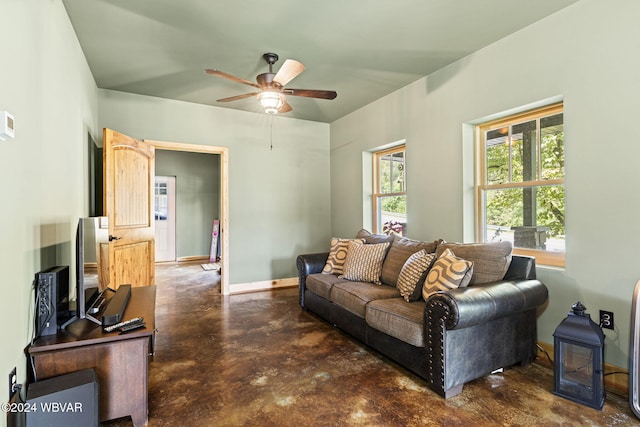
272,94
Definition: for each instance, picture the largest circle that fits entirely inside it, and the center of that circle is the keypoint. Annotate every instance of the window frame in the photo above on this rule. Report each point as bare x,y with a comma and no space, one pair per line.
377,194
543,257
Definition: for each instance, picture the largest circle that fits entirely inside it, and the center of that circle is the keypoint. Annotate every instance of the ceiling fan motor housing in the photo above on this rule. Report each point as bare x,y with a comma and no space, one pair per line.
266,79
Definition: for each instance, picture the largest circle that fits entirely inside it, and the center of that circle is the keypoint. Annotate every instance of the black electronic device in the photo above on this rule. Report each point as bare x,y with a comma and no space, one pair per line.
91,232
52,300
127,325
116,306
69,400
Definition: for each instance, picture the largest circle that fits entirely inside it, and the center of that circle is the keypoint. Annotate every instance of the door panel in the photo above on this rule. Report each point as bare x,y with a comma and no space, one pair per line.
129,169
133,254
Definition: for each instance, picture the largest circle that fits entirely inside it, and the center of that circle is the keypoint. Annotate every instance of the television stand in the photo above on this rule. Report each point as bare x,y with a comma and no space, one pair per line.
121,361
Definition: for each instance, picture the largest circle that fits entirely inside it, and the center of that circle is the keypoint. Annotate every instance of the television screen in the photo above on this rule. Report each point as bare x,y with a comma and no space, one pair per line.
90,249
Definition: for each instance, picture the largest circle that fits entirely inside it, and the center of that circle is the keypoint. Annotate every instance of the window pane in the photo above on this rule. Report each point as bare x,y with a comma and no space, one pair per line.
161,201
497,156
552,147
398,167
392,214
392,173
385,174
530,218
523,152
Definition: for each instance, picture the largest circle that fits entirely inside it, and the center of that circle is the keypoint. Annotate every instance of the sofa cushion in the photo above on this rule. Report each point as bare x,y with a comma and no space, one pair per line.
371,238
321,284
413,274
448,272
337,255
364,262
398,318
401,249
354,296
490,260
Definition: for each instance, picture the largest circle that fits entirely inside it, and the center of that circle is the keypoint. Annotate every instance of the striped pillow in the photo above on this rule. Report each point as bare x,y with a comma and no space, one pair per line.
413,272
448,272
337,255
364,262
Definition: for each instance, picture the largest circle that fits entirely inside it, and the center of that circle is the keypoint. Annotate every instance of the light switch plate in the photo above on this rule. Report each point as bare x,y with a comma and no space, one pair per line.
7,126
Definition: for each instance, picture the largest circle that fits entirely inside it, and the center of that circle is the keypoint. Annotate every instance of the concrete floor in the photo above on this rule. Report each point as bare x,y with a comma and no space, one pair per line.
259,360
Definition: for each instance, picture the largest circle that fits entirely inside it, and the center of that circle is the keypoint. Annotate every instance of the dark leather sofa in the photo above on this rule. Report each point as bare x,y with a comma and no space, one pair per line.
466,333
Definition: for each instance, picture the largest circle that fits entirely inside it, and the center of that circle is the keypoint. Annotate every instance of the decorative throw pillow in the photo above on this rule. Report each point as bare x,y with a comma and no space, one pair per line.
448,272
337,255
364,262
413,273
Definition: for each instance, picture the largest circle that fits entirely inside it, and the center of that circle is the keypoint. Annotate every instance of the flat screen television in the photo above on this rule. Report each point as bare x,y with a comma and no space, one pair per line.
90,246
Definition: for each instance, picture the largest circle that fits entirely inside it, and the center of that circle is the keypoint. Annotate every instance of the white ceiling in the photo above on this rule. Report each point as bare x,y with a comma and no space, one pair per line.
361,49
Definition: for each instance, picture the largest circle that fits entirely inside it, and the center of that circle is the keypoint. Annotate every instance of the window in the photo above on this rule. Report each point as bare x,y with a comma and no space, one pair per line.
520,183
390,191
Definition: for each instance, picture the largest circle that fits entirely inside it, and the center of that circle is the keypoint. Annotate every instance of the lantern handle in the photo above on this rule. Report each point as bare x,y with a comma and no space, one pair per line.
578,309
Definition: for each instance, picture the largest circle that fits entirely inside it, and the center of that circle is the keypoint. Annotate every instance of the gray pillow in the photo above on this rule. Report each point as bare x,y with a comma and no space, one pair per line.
371,238
401,249
490,260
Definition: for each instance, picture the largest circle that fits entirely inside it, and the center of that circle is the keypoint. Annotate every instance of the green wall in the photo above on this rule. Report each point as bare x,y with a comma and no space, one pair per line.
47,86
281,202
586,55
197,197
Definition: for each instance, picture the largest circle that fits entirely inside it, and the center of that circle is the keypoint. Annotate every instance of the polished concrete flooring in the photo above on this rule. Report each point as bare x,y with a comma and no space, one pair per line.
258,360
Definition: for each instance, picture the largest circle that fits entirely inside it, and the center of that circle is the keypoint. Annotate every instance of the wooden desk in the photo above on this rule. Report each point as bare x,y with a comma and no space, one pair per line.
121,362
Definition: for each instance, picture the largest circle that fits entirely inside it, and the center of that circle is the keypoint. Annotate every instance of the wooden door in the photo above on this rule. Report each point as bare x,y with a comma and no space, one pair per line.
129,169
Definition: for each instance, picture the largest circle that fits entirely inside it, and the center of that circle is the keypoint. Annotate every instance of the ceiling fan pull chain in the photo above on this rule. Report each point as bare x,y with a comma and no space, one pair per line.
271,124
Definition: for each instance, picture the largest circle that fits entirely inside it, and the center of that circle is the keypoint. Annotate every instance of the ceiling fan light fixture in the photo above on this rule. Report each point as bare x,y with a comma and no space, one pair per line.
271,101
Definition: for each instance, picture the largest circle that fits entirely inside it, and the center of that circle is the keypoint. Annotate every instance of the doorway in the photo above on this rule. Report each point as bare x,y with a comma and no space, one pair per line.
165,217
223,152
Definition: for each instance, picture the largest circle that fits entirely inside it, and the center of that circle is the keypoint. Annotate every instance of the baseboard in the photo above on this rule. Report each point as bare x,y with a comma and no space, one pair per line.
616,379
266,285
193,259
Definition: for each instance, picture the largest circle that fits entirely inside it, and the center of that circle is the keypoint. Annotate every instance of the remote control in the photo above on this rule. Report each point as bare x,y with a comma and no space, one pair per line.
135,320
132,326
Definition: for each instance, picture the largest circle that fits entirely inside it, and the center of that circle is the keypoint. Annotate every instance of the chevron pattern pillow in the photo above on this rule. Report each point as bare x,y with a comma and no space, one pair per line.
364,262
448,272
337,255
413,273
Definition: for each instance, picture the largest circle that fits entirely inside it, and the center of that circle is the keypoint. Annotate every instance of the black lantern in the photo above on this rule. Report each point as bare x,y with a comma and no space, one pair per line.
579,359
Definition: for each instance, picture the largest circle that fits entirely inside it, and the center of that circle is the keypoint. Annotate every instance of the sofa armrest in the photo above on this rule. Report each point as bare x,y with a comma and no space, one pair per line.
308,264
311,263
464,307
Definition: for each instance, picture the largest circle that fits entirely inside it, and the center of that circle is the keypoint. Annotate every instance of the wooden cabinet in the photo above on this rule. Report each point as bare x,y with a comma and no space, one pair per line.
121,361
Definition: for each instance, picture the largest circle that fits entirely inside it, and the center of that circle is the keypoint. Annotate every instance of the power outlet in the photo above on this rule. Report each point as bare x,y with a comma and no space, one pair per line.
606,319
13,380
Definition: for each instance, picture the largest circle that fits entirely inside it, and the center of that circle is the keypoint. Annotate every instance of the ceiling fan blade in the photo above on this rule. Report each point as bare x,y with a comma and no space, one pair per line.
311,93
235,98
230,77
289,70
285,108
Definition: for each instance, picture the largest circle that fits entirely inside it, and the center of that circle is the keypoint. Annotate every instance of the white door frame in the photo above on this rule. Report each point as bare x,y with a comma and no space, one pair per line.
223,152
